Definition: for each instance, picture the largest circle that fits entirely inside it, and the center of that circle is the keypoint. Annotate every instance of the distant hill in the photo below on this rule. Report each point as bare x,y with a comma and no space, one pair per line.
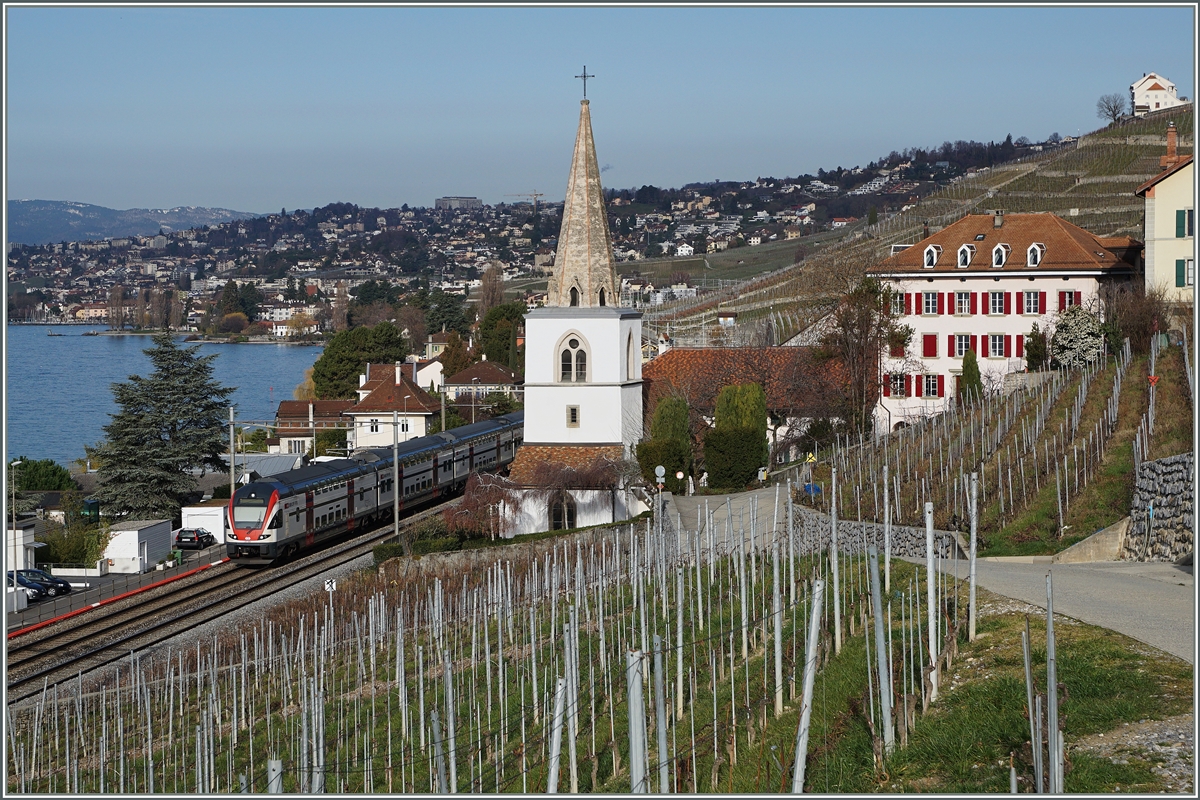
48,221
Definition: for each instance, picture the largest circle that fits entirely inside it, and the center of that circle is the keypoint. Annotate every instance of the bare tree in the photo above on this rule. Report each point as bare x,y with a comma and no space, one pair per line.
411,320
491,289
1110,107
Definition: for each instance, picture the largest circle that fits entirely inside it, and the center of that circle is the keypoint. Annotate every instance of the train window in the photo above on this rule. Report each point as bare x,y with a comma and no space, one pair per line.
276,521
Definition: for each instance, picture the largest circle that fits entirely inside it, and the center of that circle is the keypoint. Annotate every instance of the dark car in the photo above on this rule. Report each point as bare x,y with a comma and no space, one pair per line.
54,585
197,538
33,590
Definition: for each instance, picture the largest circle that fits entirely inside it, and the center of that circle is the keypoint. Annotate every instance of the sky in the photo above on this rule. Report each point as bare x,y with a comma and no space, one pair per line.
261,108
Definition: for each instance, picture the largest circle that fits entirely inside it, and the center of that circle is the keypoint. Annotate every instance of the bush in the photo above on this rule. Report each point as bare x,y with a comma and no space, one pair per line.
672,454
443,545
387,551
732,456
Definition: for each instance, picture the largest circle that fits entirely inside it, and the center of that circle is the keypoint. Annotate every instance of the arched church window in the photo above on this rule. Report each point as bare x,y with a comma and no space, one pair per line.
572,360
602,297
574,296
562,512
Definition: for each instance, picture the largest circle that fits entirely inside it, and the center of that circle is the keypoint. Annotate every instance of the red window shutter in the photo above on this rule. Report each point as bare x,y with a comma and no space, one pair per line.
887,385
1007,303
1041,302
1020,345
1062,300
985,307
908,386
974,307
941,385
973,344
1079,298
941,303
929,345
1007,346
917,384
951,351
908,301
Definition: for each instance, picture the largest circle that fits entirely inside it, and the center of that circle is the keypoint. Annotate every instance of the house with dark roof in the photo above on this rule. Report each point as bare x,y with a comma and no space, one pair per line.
980,284
297,423
389,399
481,379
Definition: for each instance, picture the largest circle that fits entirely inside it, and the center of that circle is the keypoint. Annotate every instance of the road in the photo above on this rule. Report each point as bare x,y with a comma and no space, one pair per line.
1153,603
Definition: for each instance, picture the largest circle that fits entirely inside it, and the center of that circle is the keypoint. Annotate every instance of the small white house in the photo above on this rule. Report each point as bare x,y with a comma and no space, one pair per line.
1153,92
135,546
209,515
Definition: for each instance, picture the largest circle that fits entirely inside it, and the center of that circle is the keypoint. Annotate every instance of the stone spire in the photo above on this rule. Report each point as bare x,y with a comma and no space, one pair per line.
583,264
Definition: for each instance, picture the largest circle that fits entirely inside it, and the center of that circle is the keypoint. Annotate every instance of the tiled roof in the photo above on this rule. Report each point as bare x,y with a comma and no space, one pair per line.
297,410
530,457
488,373
793,378
1067,246
386,396
1166,173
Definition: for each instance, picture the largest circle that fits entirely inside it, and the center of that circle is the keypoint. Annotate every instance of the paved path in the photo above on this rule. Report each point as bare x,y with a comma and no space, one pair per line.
1153,603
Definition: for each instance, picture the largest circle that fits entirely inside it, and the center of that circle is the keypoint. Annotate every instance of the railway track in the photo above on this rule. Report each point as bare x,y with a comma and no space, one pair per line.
99,641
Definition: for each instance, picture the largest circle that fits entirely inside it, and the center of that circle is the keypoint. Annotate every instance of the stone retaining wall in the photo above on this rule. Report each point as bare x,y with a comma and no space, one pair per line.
1165,485
813,529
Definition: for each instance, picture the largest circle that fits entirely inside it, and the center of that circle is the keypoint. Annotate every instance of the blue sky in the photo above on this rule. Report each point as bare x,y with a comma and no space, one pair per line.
256,109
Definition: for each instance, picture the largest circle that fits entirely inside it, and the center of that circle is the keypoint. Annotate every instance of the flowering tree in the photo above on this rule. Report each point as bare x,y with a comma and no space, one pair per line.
1078,338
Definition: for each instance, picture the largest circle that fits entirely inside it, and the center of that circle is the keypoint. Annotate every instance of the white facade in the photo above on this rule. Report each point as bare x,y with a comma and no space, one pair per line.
600,404
1152,92
135,546
375,429
19,545
1170,234
590,507
209,517
994,316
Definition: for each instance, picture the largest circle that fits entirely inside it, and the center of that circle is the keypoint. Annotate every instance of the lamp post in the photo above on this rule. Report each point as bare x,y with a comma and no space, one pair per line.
13,506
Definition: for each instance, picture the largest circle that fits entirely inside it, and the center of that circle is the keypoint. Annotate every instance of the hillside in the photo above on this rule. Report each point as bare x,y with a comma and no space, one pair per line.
48,221
1090,182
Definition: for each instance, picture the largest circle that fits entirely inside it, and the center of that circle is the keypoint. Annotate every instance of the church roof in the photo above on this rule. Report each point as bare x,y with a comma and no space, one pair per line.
533,458
584,260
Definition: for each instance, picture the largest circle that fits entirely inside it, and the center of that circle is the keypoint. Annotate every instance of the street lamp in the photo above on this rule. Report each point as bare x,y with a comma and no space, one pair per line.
13,506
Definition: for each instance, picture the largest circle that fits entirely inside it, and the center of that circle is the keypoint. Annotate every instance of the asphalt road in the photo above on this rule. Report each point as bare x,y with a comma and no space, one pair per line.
1153,603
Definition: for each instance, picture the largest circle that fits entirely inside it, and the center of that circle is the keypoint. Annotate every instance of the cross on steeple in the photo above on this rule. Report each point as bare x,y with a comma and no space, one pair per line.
585,76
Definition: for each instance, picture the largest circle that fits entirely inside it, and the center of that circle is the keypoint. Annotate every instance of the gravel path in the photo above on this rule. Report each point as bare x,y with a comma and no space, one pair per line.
1169,745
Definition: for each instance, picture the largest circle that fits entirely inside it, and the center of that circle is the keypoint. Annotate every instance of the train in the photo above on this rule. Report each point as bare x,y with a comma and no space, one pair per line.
280,515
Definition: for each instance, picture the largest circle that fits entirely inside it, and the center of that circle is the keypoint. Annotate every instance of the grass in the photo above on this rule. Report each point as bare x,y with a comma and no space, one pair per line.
1173,407
964,744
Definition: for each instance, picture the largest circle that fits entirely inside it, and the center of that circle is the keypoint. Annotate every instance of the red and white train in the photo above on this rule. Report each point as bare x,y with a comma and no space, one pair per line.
282,514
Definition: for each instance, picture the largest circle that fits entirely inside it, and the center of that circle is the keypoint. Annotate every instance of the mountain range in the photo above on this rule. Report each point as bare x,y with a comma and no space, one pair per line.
47,221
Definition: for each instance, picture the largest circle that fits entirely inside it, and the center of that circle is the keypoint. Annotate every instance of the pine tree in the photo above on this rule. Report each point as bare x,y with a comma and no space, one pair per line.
972,380
167,425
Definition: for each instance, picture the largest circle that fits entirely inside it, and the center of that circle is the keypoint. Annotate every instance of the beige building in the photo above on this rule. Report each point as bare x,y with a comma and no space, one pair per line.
1170,225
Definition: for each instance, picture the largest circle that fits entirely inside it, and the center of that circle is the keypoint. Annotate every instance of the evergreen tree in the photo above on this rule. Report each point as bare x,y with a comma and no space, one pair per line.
456,357
972,381
335,375
46,475
231,301
249,298
167,424
498,329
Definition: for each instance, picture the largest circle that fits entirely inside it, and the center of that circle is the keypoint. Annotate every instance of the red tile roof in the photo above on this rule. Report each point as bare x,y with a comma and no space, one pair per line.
385,396
293,414
1166,173
532,459
1067,246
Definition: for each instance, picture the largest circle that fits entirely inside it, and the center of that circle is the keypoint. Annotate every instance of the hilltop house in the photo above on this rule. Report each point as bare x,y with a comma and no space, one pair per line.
980,284
1152,93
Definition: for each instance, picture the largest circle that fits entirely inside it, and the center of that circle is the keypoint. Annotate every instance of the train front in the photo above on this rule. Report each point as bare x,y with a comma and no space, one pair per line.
256,527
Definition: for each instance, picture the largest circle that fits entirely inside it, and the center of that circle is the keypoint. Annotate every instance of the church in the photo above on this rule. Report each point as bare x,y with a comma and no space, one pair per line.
583,375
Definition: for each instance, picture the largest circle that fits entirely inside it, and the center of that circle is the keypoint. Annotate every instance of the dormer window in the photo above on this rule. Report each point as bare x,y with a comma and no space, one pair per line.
1000,255
932,252
965,254
1034,255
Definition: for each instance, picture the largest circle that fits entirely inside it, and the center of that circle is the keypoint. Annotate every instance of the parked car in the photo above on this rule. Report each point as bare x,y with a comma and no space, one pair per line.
32,590
197,538
54,585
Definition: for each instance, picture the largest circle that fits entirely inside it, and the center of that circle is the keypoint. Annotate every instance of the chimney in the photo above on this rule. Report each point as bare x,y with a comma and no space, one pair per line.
485,356
310,414
368,370
1170,159
925,230
399,374
998,219
414,363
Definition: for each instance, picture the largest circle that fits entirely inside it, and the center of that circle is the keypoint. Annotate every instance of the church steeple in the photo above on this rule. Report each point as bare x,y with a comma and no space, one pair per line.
583,265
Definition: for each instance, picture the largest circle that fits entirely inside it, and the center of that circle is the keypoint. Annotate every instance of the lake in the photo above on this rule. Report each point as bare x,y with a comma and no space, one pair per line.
58,394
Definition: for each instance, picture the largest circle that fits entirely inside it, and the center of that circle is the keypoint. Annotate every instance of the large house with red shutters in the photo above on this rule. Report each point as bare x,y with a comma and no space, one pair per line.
980,284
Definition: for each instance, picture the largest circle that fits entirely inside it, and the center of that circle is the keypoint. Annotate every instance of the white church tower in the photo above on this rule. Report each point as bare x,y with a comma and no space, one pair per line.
583,370
583,353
